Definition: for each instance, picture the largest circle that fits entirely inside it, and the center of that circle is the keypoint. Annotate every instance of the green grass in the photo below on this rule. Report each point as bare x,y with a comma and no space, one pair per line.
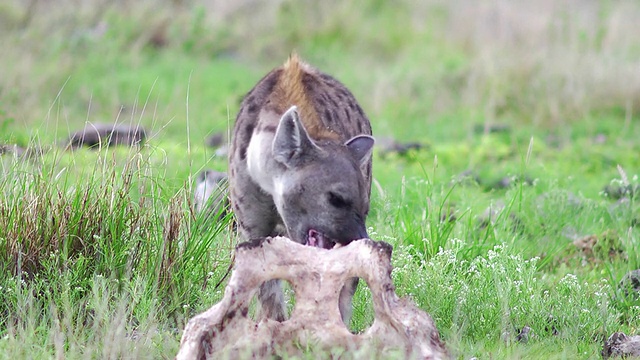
102,254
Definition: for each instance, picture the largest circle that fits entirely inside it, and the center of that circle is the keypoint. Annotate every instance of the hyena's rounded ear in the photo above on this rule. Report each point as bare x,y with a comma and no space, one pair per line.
360,147
291,141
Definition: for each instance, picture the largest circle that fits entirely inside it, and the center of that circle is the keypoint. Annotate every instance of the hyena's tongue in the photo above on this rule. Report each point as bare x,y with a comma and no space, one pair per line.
317,239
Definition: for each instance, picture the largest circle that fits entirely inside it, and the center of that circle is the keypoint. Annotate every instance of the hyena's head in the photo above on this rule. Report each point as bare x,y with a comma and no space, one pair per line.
322,194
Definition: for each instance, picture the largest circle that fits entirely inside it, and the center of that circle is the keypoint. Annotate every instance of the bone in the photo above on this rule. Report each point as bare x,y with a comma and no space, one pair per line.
317,275
621,345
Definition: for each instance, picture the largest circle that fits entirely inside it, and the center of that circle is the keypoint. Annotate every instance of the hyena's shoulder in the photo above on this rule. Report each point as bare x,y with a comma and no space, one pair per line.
327,108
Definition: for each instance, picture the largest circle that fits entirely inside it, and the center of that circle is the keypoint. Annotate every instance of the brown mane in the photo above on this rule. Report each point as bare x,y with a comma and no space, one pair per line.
290,90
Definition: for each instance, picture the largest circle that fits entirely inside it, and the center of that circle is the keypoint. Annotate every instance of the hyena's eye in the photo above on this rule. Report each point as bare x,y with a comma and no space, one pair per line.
338,201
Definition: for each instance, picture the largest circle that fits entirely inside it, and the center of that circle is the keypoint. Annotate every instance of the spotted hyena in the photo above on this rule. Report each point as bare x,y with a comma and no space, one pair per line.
300,166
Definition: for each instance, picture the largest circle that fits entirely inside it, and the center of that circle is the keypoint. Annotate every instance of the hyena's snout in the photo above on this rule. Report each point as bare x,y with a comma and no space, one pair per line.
355,230
361,232
335,236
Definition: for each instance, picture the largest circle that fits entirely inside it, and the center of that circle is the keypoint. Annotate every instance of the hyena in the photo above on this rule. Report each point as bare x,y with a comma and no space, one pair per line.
300,166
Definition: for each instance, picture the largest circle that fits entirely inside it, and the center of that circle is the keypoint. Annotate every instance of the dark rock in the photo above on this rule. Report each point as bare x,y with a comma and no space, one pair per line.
600,139
467,177
600,247
524,335
95,135
621,345
492,213
551,326
509,181
215,140
14,150
448,213
618,192
555,141
389,145
491,128
218,141
20,152
403,148
159,37
630,284
559,198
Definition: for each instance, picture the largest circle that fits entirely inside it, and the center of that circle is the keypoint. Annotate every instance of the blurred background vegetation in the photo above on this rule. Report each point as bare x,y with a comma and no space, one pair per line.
422,69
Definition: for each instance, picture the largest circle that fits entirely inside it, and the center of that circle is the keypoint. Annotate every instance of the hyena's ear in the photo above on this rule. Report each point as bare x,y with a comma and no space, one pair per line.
360,147
291,141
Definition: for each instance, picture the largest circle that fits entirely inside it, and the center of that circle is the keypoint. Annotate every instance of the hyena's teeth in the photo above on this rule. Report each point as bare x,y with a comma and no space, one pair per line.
337,246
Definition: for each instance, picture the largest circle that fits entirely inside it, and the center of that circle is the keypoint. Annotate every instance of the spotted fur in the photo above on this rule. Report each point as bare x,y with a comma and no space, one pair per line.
300,166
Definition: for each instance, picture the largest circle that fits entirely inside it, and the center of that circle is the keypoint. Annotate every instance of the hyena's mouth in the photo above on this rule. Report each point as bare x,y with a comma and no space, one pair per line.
318,239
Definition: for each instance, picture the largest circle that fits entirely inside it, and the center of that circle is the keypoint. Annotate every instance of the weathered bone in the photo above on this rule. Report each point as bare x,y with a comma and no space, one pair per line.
316,275
620,344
